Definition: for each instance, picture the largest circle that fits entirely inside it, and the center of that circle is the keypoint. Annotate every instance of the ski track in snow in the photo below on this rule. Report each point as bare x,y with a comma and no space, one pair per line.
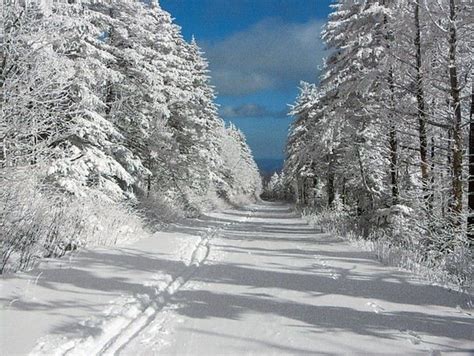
129,318
257,281
126,318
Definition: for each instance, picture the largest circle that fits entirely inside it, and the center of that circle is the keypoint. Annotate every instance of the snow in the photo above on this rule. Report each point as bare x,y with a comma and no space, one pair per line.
251,281
89,295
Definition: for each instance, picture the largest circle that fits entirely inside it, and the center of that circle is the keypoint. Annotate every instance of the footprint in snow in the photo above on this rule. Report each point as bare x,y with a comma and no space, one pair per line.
462,311
320,262
413,337
375,307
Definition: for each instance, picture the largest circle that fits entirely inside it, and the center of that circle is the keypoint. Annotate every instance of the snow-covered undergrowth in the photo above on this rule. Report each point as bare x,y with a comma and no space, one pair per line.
37,221
439,254
127,316
157,210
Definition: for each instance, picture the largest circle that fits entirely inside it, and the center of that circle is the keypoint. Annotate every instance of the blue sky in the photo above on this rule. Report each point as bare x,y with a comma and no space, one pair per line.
258,51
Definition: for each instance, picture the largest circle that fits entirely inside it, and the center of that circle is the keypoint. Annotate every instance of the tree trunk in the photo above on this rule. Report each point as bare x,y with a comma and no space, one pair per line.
110,96
302,193
393,149
470,191
344,192
330,181
420,98
330,189
456,107
432,180
393,140
442,173
315,185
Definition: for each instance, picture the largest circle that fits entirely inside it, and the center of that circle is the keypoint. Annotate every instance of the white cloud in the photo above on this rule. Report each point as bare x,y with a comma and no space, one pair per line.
271,54
235,81
249,110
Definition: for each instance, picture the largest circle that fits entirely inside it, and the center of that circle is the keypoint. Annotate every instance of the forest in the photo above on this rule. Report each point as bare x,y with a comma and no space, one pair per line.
136,218
108,124
382,145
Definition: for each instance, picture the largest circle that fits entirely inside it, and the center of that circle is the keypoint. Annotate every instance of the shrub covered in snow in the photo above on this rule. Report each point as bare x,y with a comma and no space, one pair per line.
38,220
439,253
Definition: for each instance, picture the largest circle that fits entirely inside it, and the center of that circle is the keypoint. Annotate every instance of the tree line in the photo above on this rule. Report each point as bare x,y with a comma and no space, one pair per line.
384,134
106,99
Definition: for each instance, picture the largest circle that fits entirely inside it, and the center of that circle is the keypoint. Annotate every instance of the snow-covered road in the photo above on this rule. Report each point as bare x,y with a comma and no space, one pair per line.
272,285
251,281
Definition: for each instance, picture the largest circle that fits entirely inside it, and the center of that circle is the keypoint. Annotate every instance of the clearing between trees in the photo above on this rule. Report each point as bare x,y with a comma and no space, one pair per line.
257,280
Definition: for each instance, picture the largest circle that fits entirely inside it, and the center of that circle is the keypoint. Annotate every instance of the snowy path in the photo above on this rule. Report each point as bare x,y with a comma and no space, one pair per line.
255,281
271,285
96,300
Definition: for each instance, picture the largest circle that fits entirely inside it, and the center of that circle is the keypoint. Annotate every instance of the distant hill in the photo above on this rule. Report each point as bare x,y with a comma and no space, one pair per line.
268,166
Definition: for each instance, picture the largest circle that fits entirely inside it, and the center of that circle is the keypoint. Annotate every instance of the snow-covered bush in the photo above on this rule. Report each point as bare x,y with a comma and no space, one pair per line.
399,239
158,209
37,220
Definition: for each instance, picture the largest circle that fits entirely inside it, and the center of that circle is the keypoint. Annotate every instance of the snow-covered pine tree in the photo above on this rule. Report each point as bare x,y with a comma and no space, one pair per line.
396,89
35,80
187,172
241,181
296,149
106,101
206,109
91,151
